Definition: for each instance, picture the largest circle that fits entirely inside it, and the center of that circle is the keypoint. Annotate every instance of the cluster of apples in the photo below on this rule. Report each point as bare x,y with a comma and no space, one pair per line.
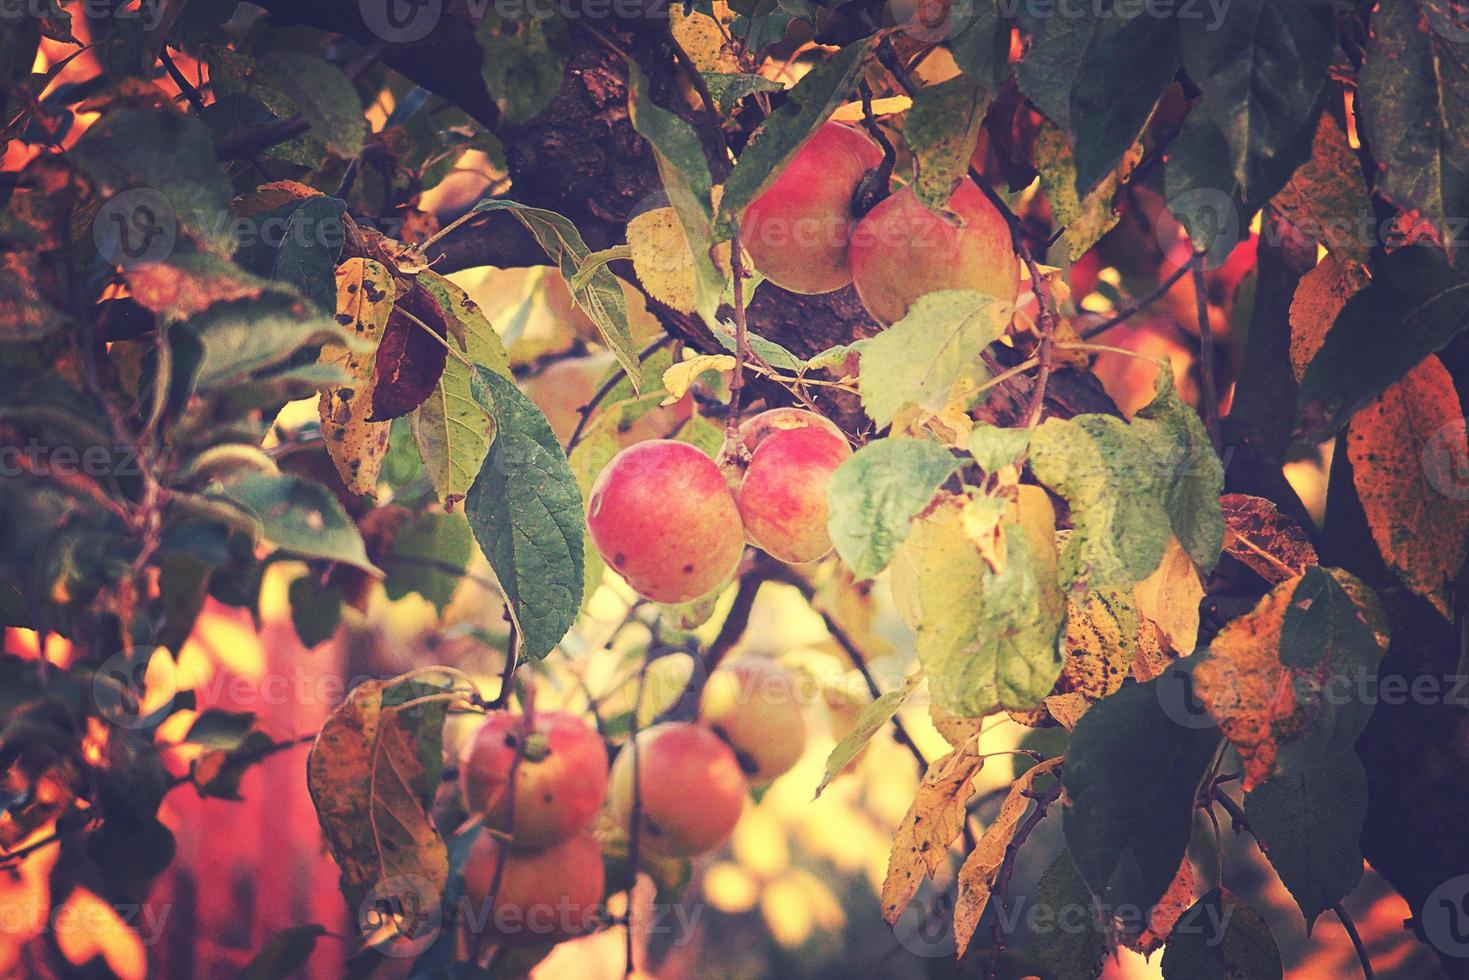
674,525
693,779
805,233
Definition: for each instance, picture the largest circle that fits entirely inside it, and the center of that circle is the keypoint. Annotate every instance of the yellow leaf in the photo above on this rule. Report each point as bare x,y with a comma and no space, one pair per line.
1170,597
982,519
699,35
681,376
1319,297
1422,529
852,112
977,876
1101,643
934,821
365,295
661,259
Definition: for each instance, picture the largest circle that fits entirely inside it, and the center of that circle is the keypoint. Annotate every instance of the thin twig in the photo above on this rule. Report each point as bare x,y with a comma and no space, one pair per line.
735,623
1128,312
613,380
185,86
742,345
1210,396
1043,802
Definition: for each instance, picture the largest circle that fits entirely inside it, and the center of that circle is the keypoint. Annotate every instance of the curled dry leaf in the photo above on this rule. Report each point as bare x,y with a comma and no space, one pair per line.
1419,520
1261,537
934,821
411,357
982,867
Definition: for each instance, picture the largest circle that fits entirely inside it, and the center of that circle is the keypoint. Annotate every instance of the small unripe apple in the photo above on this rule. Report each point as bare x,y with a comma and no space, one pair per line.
559,784
901,250
752,704
663,517
692,789
545,896
782,498
796,232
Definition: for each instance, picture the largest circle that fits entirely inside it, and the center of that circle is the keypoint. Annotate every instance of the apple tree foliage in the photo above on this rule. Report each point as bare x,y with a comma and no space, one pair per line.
178,267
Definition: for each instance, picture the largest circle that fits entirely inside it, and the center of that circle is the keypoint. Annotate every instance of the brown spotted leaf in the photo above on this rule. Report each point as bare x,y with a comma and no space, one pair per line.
412,354
1257,534
1319,297
1420,524
357,446
1327,197
977,876
934,822
373,774
1101,640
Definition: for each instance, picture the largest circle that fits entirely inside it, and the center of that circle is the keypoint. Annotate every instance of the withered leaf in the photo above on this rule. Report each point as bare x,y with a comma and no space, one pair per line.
1319,297
1261,537
409,360
933,822
356,444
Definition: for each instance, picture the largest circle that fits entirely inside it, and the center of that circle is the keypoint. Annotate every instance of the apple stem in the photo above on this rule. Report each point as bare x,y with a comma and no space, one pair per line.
737,380
875,185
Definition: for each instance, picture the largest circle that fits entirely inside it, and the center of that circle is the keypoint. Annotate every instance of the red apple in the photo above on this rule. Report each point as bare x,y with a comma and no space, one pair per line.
544,896
692,789
797,231
663,517
559,784
782,498
901,250
752,704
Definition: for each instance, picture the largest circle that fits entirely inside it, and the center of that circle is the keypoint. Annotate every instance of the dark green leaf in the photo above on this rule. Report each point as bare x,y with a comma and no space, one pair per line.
526,513
1073,949
524,58
285,954
1309,825
301,516
1132,775
316,610
219,729
941,129
322,93
425,549
1221,938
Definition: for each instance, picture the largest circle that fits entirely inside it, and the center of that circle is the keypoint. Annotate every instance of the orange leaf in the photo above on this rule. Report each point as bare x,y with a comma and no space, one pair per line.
1321,294
1420,524
1260,536
1165,915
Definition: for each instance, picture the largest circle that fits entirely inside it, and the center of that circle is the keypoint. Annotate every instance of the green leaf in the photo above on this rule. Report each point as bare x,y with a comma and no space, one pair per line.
941,129
425,547
1138,55
1085,220
452,428
982,47
323,95
524,58
1262,70
808,104
1050,68
1070,953
1415,304
1190,474
599,294
244,339
684,172
874,496
919,359
373,774
218,729
1221,938
986,639
1110,478
526,513
164,151
870,721
1132,775
1310,826
316,610
302,517
1413,102
307,254
995,448
729,88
